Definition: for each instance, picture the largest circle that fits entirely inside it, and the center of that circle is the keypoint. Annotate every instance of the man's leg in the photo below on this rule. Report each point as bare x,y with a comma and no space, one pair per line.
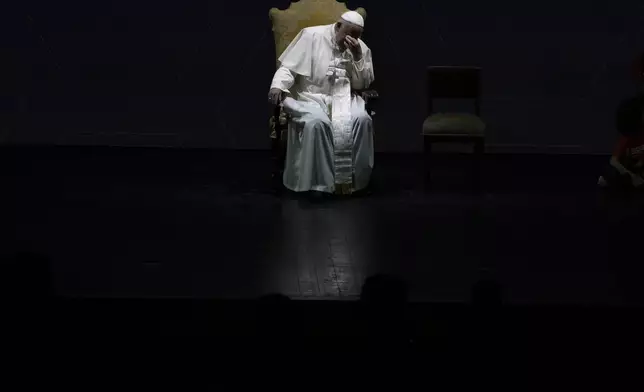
363,150
309,153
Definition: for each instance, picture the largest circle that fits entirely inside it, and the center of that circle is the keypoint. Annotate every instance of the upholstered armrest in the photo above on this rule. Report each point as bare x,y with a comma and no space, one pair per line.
370,97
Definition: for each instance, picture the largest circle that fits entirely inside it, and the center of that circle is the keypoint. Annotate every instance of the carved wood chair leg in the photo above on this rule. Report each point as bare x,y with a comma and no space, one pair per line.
277,153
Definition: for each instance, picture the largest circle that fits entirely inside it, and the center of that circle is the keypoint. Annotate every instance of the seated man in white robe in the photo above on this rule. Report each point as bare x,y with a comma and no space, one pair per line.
330,135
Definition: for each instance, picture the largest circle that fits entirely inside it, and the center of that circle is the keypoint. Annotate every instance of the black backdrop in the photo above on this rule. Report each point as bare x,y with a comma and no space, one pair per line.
195,72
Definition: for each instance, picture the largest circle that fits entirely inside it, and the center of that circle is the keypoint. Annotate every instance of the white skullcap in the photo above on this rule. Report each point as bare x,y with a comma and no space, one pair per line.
353,17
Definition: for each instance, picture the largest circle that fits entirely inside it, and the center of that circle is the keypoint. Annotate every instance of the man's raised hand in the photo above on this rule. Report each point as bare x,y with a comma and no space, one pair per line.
354,46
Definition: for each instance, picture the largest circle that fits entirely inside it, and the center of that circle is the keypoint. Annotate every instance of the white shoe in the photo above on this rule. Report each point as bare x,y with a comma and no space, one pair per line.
636,179
602,182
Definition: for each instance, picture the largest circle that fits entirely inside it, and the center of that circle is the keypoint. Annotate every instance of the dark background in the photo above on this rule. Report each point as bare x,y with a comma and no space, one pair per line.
195,73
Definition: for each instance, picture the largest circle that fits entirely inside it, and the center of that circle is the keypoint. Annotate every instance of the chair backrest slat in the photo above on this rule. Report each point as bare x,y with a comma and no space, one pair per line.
453,82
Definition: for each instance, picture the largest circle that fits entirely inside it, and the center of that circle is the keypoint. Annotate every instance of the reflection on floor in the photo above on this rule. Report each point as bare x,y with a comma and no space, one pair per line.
133,222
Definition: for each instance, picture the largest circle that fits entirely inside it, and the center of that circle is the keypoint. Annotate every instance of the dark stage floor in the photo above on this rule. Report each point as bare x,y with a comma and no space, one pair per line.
134,222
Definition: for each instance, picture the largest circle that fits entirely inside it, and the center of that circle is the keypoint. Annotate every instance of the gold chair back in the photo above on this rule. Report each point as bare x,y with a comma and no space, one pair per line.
304,13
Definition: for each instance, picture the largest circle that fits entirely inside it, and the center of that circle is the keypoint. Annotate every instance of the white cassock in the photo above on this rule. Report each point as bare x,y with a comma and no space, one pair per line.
330,137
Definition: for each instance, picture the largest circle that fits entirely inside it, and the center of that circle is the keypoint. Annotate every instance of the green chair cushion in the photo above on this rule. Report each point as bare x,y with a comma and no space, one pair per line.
456,124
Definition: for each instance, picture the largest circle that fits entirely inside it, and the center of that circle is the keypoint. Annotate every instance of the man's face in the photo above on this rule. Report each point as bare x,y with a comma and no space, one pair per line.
346,29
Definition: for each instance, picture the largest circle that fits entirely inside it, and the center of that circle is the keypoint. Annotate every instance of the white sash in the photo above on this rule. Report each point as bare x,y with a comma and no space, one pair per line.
342,140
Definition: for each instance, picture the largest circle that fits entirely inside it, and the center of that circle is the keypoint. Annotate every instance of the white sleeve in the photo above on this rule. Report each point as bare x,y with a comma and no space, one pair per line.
362,72
283,79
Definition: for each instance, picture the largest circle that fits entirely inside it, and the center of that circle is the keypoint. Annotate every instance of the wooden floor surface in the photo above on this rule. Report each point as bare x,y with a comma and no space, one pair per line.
119,222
